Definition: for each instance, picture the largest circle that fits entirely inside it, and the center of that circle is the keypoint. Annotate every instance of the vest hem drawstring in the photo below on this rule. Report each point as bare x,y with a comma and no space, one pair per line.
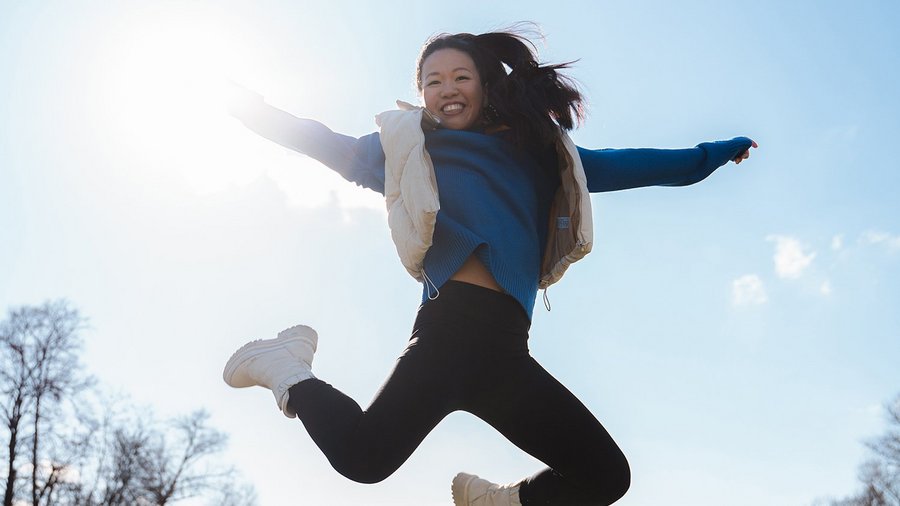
428,285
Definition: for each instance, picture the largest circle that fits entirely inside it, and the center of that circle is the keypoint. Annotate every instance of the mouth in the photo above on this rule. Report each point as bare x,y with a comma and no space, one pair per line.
452,108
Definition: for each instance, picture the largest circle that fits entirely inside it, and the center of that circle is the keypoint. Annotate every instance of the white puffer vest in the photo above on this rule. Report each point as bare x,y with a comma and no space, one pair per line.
411,194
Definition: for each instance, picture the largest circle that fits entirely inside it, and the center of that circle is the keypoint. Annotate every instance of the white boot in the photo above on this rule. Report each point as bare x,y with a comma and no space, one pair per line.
470,490
276,364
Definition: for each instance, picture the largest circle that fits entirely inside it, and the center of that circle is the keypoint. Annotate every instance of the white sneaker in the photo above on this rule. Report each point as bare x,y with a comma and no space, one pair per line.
470,490
276,364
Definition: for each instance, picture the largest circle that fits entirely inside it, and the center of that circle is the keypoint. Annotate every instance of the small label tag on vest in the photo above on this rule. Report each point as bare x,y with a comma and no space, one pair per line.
562,222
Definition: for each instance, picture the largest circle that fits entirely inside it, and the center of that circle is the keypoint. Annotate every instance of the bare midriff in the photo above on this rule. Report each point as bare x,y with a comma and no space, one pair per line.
475,273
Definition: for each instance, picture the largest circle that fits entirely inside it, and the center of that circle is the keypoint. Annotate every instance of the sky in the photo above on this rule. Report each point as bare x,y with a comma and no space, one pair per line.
737,337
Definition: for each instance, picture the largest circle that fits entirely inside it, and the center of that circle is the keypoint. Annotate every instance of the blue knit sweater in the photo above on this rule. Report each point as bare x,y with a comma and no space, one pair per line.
495,199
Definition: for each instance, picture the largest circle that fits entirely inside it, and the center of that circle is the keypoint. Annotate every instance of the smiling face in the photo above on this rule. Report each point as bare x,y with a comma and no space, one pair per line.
452,89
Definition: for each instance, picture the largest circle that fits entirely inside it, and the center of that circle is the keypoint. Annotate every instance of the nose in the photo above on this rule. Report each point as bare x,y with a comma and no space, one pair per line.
448,89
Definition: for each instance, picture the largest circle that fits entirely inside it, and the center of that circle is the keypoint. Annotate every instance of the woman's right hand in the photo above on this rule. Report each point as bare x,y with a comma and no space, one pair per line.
240,101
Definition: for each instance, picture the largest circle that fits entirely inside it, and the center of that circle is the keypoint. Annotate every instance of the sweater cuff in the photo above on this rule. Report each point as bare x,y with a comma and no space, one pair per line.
721,152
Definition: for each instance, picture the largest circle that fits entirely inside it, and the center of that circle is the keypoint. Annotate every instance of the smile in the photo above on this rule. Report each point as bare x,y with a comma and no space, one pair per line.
451,108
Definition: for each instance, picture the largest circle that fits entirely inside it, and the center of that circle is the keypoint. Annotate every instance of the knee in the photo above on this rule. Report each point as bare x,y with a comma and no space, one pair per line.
620,481
615,480
366,478
607,483
362,470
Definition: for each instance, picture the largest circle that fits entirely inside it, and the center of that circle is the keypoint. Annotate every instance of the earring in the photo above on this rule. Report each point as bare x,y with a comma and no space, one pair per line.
490,114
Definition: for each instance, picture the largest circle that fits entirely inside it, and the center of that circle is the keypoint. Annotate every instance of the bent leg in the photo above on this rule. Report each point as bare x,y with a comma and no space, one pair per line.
368,446
542,417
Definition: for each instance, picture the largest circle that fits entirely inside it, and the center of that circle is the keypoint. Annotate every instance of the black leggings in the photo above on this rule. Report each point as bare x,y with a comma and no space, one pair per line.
469,351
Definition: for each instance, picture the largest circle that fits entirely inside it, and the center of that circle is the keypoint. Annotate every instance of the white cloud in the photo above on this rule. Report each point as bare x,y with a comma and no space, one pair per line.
837,242
825,288
790,258
748,290
308,184
879,237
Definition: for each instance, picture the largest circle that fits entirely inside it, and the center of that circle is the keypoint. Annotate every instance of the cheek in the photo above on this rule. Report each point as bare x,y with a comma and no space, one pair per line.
430,99
477,96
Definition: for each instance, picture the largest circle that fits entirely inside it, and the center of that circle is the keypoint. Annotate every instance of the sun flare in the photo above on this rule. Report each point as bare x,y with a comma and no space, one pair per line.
163,83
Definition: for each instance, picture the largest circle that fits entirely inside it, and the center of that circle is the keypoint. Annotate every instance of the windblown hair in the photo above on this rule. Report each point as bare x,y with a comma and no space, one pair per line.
533,100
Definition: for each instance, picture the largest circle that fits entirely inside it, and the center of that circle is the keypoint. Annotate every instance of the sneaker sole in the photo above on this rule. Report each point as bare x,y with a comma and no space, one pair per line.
258,347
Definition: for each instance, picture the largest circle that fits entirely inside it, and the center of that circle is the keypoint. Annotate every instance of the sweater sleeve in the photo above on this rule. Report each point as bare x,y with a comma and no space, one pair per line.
621,169
360,161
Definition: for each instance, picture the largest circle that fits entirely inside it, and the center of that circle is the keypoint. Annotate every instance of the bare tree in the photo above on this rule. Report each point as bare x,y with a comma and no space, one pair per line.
112,475
235,494
174,468
39,347
69,445
159,465
880,475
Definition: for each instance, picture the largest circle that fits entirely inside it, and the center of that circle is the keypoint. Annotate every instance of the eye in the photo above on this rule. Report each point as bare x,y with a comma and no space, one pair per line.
429,83
463,78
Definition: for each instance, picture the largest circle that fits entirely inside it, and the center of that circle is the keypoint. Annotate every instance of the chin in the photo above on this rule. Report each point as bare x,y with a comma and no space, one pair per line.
457,124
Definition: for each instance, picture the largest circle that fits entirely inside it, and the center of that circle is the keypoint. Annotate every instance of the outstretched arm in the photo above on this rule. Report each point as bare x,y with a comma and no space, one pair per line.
358,160
621,169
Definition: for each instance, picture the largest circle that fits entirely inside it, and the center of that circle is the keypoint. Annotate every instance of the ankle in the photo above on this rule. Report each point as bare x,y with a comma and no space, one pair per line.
294,395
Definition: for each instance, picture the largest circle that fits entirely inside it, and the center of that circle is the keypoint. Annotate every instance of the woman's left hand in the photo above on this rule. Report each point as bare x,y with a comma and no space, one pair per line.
746,154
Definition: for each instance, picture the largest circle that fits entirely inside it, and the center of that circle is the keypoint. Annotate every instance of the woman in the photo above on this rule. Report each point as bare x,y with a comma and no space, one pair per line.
488,202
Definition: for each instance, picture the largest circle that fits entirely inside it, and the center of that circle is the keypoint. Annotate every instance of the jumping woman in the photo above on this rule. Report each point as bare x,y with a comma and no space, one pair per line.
488,201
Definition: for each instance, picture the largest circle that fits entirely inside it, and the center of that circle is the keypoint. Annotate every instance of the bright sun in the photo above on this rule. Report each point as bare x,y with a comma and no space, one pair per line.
163,85
164,82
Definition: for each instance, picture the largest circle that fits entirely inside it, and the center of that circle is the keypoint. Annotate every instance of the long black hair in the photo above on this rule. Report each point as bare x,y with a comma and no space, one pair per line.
534,100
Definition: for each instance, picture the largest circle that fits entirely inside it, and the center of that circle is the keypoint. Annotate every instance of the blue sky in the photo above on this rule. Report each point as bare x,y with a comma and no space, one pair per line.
736,337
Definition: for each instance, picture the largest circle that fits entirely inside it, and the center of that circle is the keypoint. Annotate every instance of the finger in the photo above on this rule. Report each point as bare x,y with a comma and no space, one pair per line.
754,144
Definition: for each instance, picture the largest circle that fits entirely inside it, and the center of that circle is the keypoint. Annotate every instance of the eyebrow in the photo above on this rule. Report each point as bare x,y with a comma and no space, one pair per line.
454,70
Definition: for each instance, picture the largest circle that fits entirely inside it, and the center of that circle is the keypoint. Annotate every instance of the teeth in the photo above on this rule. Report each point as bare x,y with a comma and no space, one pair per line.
452,107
